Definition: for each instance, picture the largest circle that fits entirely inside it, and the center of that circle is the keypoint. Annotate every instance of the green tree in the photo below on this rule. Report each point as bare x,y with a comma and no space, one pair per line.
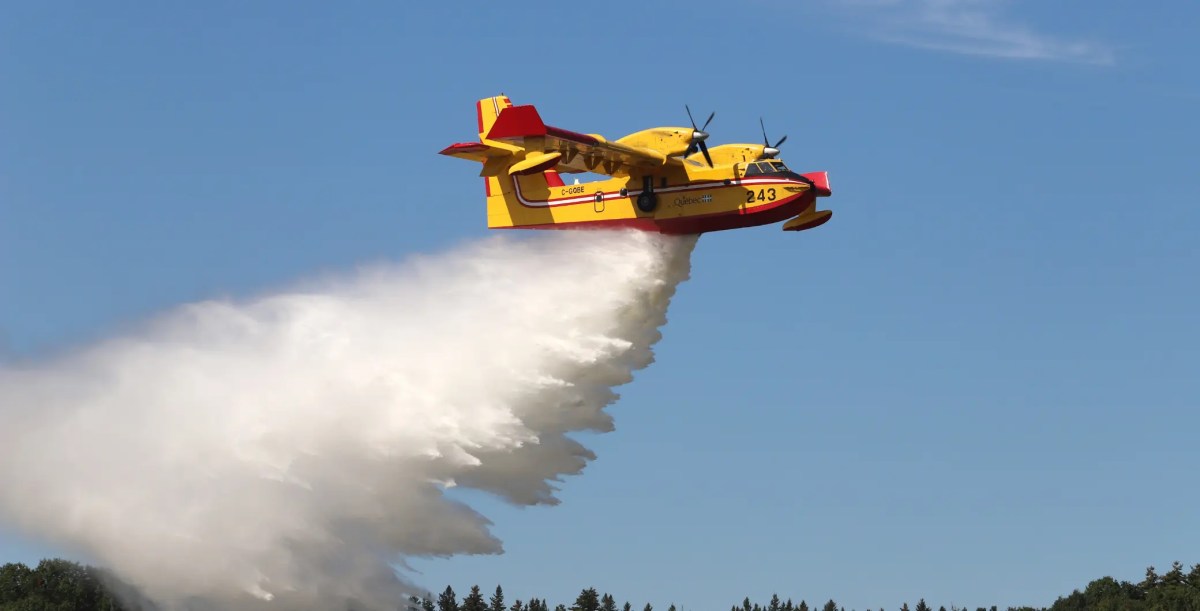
427,603
14,582
62,584
774,605
496,603
1174,577
921,606
648,607
746,604
473,601
447,600
803,606
588,600
1151,580
830,606
608,603
516,606
56,585
627,607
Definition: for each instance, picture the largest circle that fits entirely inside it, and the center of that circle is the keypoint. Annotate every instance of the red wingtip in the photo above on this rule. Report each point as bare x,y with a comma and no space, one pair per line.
463,147
820,182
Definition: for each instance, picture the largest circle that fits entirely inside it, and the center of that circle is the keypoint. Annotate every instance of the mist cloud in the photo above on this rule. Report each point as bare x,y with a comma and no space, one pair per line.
282,451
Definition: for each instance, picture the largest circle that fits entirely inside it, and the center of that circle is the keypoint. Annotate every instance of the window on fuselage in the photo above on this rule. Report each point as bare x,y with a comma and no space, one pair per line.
763,168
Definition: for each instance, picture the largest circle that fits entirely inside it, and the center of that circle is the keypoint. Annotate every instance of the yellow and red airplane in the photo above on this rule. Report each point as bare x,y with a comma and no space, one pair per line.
657,181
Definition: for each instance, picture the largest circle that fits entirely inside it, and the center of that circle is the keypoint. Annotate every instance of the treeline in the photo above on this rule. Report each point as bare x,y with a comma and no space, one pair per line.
61,585
56,585
1173,591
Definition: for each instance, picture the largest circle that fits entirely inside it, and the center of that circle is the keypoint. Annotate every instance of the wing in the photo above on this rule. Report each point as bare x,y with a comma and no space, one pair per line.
521,126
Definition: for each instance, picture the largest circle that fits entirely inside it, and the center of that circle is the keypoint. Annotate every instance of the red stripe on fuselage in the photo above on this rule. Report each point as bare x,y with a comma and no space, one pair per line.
765,214
571,200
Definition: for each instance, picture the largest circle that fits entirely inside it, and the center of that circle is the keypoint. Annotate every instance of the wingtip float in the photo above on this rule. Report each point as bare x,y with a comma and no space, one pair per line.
663,179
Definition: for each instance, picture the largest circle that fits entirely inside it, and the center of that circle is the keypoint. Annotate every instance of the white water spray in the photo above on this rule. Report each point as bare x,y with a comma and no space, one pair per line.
283,451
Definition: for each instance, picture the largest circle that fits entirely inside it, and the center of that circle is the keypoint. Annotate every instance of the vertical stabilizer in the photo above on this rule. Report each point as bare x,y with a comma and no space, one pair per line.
487,110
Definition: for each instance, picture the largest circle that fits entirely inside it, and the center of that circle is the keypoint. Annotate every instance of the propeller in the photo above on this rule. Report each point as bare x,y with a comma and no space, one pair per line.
769,152
696,142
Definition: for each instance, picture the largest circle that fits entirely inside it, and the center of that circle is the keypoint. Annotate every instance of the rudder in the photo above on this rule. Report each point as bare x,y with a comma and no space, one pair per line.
503,200
486,111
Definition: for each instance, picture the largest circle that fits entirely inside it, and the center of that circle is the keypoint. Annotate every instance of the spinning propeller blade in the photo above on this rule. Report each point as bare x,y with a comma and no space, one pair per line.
696,142
769,152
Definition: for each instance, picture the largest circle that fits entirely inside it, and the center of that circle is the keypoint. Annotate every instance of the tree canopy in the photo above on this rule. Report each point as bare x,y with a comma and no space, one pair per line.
61,585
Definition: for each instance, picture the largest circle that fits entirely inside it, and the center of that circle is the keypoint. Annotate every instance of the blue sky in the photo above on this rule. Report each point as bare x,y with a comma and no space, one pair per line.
977,384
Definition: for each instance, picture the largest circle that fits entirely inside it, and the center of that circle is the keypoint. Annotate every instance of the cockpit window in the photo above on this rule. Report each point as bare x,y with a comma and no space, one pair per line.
765,167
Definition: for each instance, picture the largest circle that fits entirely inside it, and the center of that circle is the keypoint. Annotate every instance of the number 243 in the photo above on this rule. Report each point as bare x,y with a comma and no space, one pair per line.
767,195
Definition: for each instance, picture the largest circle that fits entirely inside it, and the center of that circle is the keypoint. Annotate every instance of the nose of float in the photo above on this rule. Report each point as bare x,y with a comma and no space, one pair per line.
808,220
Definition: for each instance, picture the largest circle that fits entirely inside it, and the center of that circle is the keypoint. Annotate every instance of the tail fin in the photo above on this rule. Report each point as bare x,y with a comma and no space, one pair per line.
499,186
487,110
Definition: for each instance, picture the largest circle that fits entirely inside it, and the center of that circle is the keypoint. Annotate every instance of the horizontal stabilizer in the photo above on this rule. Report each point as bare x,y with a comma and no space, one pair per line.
473,151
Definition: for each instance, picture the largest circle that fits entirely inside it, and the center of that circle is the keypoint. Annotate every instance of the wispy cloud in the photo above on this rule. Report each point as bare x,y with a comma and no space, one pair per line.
972,27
